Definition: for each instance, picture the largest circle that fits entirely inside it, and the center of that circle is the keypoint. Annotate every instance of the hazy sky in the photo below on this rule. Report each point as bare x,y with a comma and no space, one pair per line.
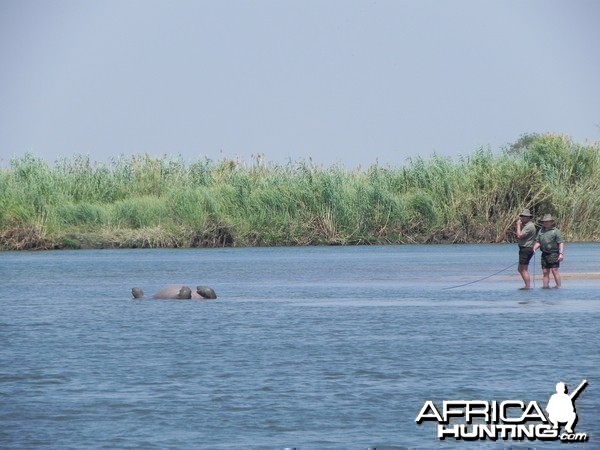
338,81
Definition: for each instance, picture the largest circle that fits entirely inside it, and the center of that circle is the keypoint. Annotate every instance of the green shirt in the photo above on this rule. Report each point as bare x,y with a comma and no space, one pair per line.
528,238
549,240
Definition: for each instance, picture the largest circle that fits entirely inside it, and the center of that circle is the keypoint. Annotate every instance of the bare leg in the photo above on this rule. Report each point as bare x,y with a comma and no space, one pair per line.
546,278
556,276
524,271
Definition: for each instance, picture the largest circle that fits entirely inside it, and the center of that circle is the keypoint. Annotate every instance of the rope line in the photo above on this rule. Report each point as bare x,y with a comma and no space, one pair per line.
534,270
481,279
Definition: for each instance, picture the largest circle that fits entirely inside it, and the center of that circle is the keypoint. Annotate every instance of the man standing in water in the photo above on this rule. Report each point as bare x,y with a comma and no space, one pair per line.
526,238
551,242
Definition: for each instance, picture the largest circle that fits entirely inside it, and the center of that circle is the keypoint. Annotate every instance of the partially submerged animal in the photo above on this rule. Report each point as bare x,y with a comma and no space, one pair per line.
206,293
177,291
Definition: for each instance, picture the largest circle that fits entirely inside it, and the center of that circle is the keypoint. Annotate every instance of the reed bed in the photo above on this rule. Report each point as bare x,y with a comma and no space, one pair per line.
163,202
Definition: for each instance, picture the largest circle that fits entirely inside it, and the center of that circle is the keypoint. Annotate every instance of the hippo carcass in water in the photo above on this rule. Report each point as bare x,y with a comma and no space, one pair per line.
137,292
206,293
177,291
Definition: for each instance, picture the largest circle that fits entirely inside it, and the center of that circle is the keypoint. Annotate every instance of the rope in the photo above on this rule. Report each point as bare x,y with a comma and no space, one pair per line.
534,270
481,279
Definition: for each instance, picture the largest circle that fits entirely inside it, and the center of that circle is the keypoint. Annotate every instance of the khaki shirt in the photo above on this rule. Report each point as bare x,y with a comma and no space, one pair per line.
549,240
528,238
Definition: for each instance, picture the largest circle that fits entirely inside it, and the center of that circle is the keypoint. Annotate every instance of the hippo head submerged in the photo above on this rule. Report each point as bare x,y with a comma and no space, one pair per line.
137,292
185,293
206,292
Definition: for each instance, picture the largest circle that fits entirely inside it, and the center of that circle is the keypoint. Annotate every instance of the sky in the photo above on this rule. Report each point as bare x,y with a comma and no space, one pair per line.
342,82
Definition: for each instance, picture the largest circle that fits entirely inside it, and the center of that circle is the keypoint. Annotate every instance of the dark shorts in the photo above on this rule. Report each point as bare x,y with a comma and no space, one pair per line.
550,261
525,255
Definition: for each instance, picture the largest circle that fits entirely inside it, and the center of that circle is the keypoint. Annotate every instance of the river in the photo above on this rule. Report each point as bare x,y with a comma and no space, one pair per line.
306,348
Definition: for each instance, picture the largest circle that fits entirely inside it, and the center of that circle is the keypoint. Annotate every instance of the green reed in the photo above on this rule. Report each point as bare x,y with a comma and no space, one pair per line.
163,202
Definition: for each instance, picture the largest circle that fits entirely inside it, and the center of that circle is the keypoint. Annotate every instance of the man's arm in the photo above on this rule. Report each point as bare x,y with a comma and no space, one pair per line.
561,249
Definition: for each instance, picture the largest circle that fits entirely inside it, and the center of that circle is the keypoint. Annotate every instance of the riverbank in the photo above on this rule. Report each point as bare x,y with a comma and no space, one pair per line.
163,202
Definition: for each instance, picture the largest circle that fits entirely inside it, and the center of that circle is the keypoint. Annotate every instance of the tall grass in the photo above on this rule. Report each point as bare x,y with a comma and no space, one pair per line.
155,202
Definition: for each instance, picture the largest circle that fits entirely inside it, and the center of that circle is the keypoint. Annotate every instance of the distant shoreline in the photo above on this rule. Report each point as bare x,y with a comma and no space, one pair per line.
86,244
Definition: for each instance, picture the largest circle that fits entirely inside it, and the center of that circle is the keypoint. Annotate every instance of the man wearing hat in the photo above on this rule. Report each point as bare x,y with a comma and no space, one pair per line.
526,238
550,241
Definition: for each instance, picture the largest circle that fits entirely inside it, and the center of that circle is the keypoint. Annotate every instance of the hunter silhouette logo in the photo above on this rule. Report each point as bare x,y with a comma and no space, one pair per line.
561,408
509,419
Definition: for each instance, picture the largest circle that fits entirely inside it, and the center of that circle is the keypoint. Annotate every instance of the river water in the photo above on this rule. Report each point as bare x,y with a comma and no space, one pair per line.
306,348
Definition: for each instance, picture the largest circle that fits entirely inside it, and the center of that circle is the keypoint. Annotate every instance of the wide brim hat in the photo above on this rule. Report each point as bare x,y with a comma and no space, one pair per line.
526,213
548,218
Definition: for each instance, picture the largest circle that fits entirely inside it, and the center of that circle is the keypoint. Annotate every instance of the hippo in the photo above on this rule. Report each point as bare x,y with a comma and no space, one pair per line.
206,293
177,291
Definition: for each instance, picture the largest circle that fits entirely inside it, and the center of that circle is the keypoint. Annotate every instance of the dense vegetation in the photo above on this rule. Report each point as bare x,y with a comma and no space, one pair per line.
163,202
